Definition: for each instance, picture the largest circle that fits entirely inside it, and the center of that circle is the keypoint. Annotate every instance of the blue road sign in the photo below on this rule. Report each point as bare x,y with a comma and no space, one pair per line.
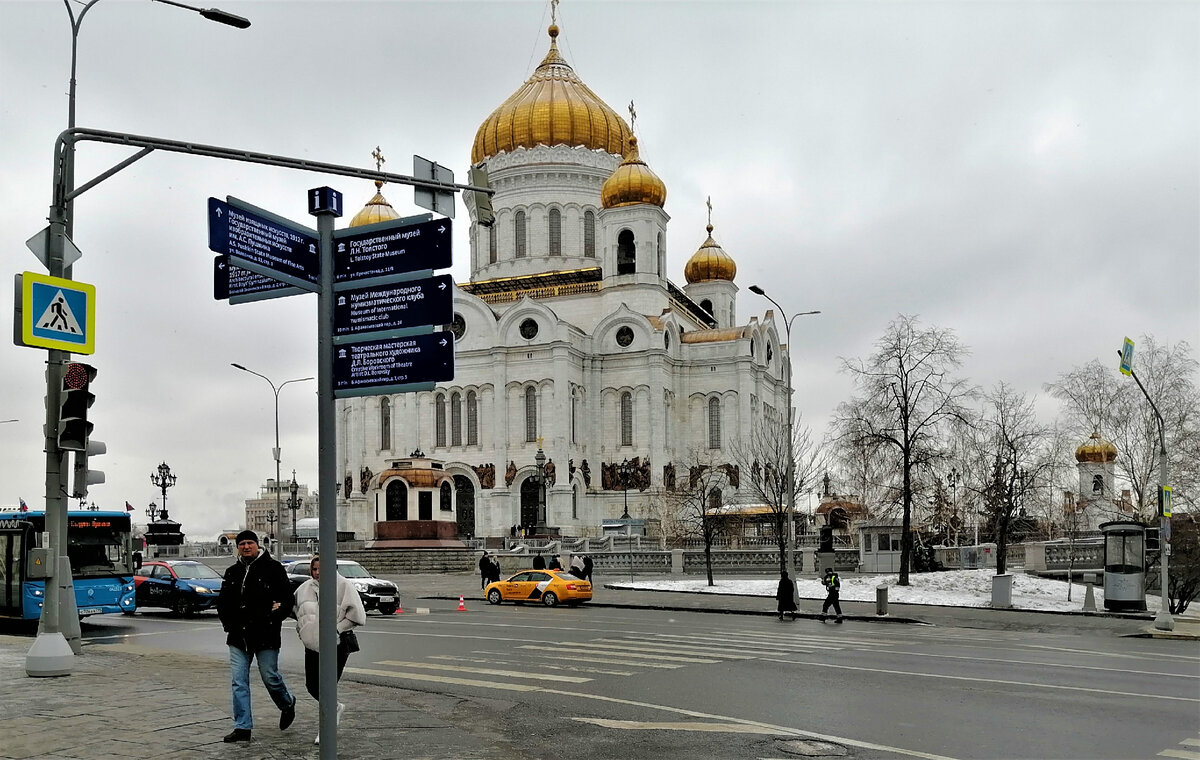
384,366
394,306
324,200
263,242
242,286
56,313
390,248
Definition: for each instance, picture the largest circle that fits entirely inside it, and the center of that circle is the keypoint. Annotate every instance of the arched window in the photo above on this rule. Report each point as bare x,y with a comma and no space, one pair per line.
714,423
492,253
574,503
472,419
662,254
385,423
455,419
707,306
530,413
519,232
439,420
714,499
447,503
626,257
626,419
589,234
555,232
574,418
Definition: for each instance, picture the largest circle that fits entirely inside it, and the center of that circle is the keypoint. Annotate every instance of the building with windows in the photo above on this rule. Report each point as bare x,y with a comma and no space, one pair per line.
570,339
260,508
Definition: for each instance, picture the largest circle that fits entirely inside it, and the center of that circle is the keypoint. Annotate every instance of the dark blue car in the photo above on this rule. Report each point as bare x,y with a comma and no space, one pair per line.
183,586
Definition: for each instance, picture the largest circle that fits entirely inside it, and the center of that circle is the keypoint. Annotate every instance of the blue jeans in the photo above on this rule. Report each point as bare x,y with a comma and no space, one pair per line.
268,668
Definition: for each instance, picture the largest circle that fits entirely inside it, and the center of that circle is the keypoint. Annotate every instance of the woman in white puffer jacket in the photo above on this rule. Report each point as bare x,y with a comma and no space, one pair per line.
350,613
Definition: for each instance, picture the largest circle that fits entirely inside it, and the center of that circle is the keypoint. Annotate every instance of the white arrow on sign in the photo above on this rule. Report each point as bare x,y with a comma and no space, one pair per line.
441,286
220,213
443,341
442,229
39,242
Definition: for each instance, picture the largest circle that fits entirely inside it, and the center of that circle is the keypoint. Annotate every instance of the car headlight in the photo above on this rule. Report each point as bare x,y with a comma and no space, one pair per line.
128,588
360,586
201,590
37,592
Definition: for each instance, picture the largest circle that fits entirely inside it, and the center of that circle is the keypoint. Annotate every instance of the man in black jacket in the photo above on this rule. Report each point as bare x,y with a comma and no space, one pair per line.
255,598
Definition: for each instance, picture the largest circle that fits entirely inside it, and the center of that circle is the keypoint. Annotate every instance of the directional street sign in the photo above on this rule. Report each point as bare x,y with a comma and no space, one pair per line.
390,248
242,286
386,366
263,242
57,313
1127,357
395,306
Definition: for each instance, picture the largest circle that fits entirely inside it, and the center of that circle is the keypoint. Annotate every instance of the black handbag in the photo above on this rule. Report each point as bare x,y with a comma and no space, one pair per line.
349,641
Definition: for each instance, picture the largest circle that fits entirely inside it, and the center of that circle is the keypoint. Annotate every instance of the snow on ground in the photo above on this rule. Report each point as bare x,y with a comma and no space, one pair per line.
951,588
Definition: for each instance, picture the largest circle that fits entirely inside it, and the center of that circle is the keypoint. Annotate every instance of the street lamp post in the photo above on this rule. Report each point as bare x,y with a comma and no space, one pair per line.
293,502
163,479
539,461
275,451
791,463
952,478
152,511
625,471
272,518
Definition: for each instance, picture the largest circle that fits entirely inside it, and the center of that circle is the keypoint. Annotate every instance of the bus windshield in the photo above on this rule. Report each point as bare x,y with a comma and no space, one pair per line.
98,549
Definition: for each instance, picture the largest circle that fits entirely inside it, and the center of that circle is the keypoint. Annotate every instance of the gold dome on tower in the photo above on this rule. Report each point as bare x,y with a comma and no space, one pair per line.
376,210
633,182
1096,449
710,262
553,107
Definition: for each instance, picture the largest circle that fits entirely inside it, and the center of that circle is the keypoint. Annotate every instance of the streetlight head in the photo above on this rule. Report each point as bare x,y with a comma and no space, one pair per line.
237,366
222,17
757,290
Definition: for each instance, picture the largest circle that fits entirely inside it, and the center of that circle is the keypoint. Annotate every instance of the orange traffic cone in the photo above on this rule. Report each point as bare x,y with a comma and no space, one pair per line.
399,608
462,604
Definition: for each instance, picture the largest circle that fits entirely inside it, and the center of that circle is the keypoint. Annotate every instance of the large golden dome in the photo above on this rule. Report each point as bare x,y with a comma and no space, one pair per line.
554,107
376,210
633,183
710,263
1096,449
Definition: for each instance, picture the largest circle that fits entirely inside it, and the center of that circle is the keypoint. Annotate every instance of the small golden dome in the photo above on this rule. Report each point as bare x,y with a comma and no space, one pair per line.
1096,450
376,210
633,182
710,263
553,107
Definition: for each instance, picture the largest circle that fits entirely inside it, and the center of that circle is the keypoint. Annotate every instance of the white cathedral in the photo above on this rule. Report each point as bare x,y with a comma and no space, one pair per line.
571,340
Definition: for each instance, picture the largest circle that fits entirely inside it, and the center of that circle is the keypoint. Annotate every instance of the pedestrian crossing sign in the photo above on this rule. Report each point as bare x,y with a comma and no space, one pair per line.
57,313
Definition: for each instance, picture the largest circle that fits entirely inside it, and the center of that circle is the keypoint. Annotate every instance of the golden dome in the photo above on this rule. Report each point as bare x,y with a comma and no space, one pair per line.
553,107
1096,450
710,263
633,182
376,210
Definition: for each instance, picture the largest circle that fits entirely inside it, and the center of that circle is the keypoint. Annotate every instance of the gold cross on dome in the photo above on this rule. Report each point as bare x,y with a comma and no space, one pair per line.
632,115
379,159
708,203
553,11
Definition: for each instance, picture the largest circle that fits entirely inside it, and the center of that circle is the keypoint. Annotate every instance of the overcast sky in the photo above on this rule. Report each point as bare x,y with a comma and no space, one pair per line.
1025,173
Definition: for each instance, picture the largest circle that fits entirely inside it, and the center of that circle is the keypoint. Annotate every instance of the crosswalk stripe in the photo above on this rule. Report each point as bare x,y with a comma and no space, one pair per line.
638,725
1180,753
1190,742
752,649
640,645
812,638
611,660
484,671
628,651
444,679
507,660
793,643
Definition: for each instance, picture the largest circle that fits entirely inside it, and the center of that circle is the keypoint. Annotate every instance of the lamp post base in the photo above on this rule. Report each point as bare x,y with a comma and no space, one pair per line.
49,656
1163,621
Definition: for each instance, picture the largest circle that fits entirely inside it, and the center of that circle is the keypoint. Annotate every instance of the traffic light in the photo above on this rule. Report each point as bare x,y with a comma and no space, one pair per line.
83,476
73,425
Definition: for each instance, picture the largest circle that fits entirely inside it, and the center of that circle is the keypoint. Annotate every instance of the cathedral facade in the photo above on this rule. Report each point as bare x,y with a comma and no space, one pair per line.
570,340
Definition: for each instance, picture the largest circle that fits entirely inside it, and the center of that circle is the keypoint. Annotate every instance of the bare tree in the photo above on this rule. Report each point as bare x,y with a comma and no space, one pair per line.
694,505
907,393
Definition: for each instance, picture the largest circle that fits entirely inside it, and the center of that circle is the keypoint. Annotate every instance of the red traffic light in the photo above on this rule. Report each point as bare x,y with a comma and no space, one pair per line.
77,376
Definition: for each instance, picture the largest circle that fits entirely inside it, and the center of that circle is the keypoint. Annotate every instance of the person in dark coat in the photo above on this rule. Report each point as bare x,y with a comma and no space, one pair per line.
554,563
485,570
833,587
539,562
494,568
587,568
256,596
785,596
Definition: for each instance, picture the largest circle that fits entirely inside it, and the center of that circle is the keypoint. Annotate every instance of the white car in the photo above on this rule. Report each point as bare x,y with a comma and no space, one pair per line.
376,593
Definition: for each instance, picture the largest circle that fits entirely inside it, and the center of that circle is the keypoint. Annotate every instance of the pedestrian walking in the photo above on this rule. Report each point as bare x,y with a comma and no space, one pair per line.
587,568
350,614
485,570
255,597
554,563
833,586
493,568
539,562
577,566
785,596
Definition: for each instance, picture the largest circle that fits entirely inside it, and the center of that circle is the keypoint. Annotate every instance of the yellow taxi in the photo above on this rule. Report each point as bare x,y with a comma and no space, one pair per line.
550,587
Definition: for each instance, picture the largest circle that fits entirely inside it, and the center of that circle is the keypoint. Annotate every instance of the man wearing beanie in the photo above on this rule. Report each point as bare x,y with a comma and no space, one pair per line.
256,596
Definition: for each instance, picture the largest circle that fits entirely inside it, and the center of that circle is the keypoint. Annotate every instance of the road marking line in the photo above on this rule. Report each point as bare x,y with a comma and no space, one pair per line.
1183,754
604,660
146,633
1111,654
483,671
444,679
675,648
506,659
985,680
1190,742
774,646
639,725
1042,664
614,651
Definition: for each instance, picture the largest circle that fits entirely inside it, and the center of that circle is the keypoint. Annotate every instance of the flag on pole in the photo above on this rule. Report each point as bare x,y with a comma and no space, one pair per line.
24,506
128,507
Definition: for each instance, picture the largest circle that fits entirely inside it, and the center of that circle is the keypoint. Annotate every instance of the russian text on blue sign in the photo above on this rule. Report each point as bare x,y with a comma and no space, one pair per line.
379,365
388,248
242,286
395,306
264,242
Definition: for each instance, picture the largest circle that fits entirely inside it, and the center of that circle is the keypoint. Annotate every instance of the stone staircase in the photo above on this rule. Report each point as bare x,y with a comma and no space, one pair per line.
386,562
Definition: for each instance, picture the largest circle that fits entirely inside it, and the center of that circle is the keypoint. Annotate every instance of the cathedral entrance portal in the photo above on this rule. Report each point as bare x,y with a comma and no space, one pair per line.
529,502
466,505
397,501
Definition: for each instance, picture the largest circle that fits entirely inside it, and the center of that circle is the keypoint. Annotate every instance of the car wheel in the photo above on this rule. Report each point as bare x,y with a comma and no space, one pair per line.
128,612
494,596
388,609
550,599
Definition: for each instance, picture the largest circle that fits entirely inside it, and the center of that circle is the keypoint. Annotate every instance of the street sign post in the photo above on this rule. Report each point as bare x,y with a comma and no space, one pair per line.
392,365
264,243
40,244
239,285
1127,357
394,306
390,248
437,201
56,313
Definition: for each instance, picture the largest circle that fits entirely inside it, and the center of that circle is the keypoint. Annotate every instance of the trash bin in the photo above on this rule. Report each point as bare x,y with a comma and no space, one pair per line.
1124,565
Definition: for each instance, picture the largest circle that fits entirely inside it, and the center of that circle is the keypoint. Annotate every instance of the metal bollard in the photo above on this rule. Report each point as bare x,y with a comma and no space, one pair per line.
881,600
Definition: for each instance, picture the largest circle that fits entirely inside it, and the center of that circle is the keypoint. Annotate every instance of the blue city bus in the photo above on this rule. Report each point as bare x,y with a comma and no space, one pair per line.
99,546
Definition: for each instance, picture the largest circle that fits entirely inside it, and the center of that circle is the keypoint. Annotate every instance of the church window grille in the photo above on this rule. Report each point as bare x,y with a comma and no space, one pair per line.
439,420
385,423
626,253
492,251
707,305
714,423
455,419
626,419
458,326
530,413
589,234
519,231
446,500
472,419
529,329
555,232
